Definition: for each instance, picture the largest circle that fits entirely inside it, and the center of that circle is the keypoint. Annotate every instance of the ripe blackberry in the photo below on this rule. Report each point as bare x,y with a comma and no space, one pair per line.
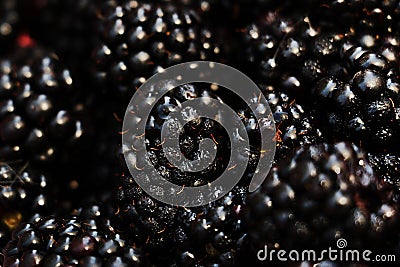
9,22
295,52
22,194
39,107
194,132
137,40
260,41
182,236
85,239
201,6
160,226
290,53
323,193
295,125
363,107
218,230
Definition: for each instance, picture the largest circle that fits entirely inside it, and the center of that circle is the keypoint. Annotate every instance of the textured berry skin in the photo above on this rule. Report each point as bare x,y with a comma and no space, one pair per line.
85,239
295,127
218,227
294,52
23,193
138,40
322,193
363,107
38,107
329,70
170,235
194,131
348,70
387,166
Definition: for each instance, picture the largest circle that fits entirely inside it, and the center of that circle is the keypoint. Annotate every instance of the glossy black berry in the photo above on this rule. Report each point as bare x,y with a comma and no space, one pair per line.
387,165
40,108
139,40
23,192
295,125
322,193
86,239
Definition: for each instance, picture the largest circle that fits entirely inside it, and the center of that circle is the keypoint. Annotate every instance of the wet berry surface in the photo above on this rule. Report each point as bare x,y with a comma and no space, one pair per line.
329,70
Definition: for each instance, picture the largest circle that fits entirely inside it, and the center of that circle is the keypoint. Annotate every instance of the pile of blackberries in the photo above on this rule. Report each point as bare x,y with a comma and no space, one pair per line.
330,71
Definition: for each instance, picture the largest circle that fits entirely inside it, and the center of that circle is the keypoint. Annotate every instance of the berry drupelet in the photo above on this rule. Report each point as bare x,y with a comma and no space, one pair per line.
323,193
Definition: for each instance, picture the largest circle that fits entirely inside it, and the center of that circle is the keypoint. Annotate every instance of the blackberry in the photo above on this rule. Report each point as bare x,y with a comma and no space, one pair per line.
168,231
323,193
23,192
296,126
65,26
149,222
194,132
295,52
364,107
84,239
260,41
218,230
9,23
138,39
41,112
178,235
287,52
202,6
